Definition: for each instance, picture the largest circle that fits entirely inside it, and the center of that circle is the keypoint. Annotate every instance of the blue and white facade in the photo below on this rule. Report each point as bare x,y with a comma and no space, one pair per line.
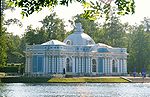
78,54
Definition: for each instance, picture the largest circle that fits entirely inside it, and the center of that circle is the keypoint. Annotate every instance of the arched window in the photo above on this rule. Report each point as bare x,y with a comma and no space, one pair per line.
93,65
114,68
68,42
90,42
68,65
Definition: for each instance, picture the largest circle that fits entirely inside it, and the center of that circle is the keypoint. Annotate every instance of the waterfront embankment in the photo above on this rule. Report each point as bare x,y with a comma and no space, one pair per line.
105,79
63,80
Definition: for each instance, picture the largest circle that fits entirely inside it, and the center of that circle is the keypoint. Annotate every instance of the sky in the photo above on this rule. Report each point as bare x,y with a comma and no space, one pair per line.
66,13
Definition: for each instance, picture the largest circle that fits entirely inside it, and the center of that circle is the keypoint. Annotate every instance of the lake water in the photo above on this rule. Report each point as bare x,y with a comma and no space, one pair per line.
75,90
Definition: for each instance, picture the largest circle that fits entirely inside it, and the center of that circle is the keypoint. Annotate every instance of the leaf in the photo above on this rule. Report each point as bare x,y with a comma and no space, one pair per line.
86,5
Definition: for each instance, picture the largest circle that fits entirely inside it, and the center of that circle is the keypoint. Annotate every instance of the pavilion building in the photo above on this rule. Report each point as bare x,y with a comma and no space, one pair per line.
78,54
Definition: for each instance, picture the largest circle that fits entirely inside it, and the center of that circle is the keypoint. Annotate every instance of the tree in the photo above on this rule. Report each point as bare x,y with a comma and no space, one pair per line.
3,54
54,27
139,48
30,35
114,33
92,10
14,55
4,34
35,36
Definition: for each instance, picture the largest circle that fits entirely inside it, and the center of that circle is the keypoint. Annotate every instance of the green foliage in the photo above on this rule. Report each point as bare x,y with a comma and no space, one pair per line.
114,33
92,10
3,55
53,28
13,21
96,10
125,6
14,54
9,69
35,36
139,48
8,43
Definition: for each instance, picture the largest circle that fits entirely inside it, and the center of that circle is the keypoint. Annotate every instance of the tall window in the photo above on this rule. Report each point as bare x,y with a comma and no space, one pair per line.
37,63
68,65
114,68
93,65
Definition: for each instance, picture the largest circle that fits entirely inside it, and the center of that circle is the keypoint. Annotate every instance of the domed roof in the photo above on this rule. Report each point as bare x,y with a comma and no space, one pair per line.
53,42
78,37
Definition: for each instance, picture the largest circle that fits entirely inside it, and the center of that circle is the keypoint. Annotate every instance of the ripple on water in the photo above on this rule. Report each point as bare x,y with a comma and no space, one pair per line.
75,90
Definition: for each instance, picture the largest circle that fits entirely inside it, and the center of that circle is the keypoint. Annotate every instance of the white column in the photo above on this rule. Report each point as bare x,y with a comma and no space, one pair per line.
83,70
125,66
97,65
120,65
73,64
58,64
116,65
29,65
53,68
83,65
55,64
77,65
88,66
50,64
44,64
54,61
103,65
47,64
61,64
108,66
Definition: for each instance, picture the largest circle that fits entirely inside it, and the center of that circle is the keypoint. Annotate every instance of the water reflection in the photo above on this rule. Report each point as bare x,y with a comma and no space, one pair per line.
75,90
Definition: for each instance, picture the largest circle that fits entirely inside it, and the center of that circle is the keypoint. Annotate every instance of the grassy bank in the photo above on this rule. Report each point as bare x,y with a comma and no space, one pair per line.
87,80
63,80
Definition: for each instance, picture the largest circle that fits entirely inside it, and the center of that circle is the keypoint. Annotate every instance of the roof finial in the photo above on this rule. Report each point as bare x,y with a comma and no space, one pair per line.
78,28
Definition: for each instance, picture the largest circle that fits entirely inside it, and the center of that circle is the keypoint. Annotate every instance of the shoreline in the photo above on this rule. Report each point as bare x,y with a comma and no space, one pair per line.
103,79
